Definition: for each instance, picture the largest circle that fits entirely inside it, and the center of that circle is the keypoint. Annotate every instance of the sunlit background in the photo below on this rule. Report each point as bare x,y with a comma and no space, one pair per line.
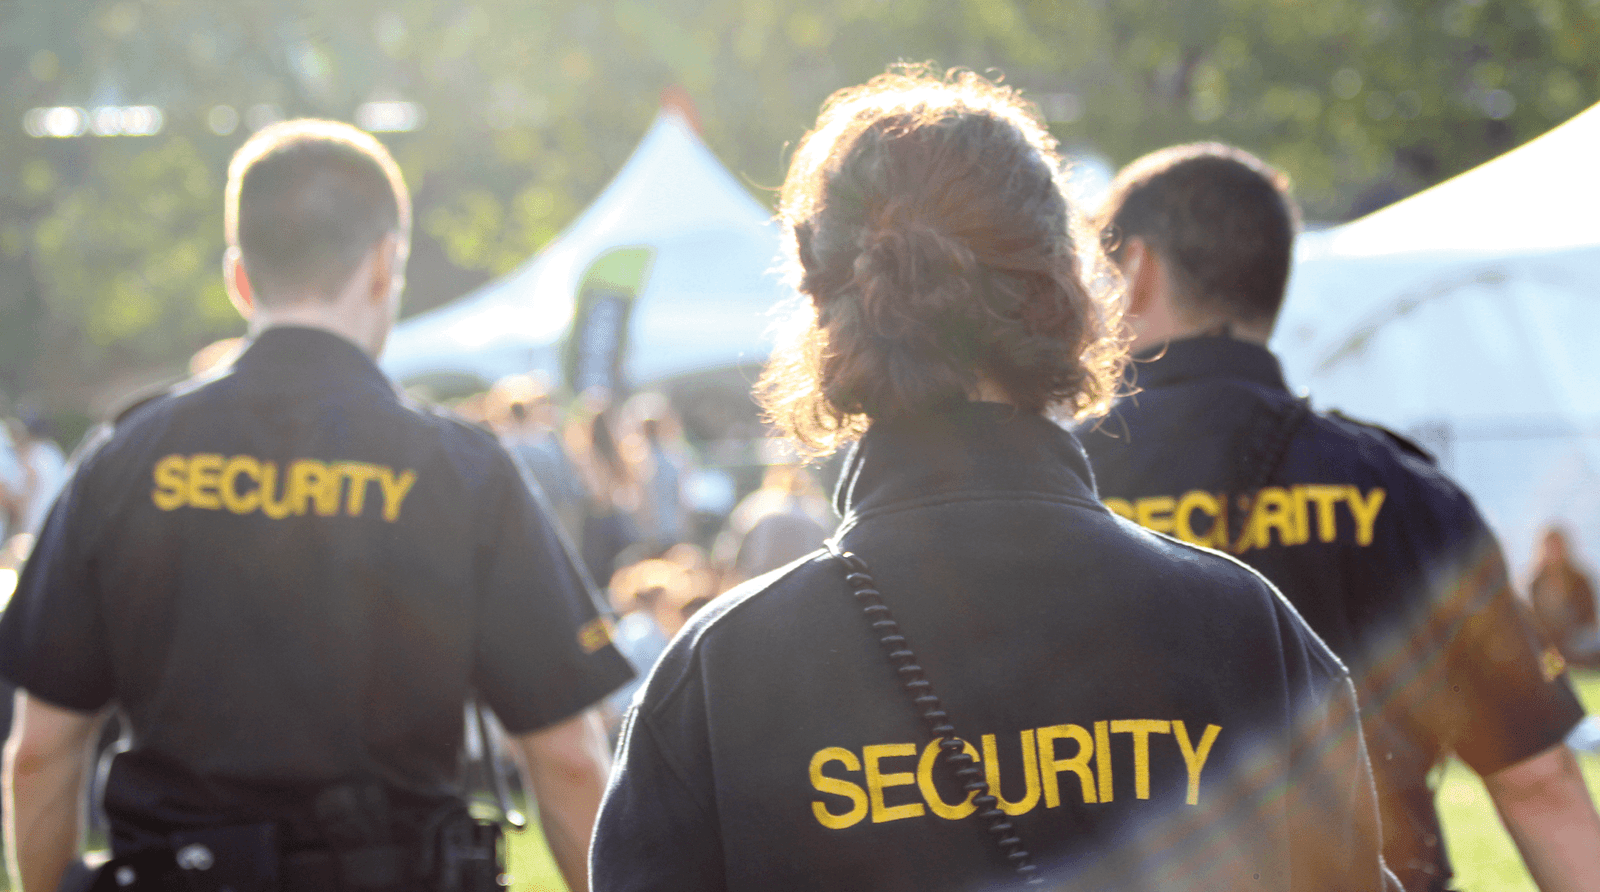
576,127
117,118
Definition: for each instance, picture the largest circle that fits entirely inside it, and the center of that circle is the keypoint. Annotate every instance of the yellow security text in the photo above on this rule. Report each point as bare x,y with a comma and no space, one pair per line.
245,484
1273,515
1058,765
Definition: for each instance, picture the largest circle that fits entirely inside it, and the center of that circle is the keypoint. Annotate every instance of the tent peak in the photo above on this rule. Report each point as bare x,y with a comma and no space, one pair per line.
675,100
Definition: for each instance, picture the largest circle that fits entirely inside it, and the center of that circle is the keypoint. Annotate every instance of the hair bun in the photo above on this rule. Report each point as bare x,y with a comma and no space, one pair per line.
909,257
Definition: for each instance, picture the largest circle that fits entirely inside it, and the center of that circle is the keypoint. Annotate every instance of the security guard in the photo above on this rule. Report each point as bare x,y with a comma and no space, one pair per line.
996,680
1383,555
289,578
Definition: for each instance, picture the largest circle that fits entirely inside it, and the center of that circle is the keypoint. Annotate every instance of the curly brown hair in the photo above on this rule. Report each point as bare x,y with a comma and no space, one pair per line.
926,223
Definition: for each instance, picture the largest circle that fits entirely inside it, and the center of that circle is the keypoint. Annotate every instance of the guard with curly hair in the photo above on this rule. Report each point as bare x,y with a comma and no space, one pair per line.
986,679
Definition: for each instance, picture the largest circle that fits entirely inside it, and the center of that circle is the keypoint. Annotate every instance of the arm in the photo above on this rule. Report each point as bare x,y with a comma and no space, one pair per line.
1516,712
45,762
566,767
1546,808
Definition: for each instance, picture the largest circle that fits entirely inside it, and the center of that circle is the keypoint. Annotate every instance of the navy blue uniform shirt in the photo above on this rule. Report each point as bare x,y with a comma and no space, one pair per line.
292,576
1384,556
1151,715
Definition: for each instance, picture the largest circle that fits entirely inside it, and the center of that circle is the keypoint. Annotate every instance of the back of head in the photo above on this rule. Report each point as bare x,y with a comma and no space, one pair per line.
929,230
1553,548
517,399
306,201
650,413
1221,218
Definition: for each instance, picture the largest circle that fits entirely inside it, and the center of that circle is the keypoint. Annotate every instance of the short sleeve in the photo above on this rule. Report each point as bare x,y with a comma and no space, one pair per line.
543,649
1516,700
1496,699
53,636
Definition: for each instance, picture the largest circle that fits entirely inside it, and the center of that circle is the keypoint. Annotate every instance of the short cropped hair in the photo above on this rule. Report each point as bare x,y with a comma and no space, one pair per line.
1222,219
927,225
306,200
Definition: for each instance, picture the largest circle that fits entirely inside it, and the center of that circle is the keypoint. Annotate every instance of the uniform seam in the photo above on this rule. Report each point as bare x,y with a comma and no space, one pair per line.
675,768
697,635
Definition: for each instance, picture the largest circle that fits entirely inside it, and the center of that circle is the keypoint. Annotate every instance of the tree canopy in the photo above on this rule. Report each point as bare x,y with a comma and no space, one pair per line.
110,246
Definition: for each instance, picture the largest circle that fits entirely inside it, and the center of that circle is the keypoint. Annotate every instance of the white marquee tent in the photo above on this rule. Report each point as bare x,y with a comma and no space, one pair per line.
704,304
1468,316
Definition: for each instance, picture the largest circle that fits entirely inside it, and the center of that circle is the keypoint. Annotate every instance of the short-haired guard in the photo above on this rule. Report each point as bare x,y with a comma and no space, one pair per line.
290,581
1024,687
1383,555
306,200
1224,218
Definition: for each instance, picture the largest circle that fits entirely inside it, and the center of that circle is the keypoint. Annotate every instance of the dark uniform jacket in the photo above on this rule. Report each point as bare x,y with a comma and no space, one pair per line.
291,577
1385,557
1139,704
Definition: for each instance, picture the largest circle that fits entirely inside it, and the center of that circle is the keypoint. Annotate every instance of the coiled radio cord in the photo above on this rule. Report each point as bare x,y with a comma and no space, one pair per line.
915,681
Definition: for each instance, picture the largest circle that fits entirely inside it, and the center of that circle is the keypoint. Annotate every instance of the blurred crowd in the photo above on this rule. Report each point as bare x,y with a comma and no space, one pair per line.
650,522
32,470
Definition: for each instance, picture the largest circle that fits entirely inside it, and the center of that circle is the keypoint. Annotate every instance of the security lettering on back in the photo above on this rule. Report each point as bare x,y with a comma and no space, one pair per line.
1278,515
245,484
1060,764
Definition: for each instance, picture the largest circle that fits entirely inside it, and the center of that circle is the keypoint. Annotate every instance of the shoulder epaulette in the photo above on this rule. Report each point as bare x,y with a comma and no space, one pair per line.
144,396
141,398
1405,443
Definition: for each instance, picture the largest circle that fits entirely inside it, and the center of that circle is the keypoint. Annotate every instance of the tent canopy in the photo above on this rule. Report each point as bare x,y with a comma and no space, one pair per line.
1464,316
704,303
1535,199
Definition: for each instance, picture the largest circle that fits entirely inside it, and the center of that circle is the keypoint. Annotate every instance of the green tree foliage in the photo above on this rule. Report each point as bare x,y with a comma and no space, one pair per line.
109,247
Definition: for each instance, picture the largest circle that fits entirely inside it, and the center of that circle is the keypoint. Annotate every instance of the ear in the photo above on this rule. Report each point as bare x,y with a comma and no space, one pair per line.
388,269
803,252
381,260
802,242
237,281
1142,277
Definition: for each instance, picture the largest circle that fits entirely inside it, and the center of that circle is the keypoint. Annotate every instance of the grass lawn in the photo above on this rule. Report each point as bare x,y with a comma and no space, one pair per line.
1480,851
531,868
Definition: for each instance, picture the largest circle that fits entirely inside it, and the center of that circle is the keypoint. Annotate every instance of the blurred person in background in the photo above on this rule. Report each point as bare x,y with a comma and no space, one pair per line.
993,679
702,582
637,592
216,356
13,483
661,464
474,408
1563,601
653,598
45,469
289,580
1381,553
527,420
613,496
782,521
696,586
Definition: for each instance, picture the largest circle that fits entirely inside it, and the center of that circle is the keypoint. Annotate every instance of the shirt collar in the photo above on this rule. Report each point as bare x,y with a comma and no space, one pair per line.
973,448
295,355
1205,357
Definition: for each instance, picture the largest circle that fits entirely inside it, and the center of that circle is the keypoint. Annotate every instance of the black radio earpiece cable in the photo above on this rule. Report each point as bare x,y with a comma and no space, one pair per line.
914,680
